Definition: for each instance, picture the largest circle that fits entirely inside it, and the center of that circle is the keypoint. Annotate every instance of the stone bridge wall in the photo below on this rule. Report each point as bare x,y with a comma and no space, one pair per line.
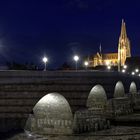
21,90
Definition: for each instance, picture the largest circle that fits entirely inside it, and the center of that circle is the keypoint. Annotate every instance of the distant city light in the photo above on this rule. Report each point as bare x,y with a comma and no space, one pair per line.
107,63
76,59
125,66
45,60
139,75
108,67
86,64
133,73
123,70
136,70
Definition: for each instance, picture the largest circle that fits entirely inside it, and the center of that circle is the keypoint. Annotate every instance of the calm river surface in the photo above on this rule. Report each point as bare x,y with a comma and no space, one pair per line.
115,133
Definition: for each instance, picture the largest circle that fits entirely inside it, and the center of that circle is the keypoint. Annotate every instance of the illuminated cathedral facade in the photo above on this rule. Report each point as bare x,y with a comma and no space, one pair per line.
113,59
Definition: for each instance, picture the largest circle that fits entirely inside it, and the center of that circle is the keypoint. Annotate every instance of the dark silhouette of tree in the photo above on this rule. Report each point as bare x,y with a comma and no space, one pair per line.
65,66
19,66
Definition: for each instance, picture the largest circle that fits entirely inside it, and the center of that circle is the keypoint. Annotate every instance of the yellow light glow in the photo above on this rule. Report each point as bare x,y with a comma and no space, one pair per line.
86,63
125,66
108,67
107,63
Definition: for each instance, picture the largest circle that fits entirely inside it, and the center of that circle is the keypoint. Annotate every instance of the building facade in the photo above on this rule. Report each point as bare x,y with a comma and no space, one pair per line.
113,59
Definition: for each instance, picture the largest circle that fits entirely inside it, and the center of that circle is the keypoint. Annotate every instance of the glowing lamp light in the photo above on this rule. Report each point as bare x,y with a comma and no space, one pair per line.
133,73
136,70
86,63
123,71
107,63
139,75
125,66
45,60
76,59
108,67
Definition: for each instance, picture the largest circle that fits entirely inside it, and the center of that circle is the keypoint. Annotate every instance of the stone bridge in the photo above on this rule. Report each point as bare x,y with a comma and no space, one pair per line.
20,91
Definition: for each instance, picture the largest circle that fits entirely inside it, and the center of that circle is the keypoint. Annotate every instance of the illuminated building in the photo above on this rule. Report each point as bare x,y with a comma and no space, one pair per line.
113,59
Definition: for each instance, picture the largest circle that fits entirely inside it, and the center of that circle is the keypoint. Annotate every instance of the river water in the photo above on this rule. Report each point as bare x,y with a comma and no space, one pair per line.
115,133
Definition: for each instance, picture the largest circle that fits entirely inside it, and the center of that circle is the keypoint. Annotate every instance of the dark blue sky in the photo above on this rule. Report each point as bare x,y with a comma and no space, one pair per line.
60,28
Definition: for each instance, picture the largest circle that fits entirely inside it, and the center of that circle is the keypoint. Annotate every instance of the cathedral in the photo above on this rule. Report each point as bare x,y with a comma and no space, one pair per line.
113,59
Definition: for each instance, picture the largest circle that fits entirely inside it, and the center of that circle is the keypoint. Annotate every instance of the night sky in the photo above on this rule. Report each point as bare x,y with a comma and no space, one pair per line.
30,29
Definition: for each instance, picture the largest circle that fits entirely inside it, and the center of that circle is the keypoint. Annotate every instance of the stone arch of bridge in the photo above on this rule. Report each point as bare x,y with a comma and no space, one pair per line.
52,114
97,97
133,88
119,90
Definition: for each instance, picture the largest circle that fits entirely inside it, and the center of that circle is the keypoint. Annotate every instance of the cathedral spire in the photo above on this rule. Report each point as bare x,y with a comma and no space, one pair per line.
100,49
123,30
123,47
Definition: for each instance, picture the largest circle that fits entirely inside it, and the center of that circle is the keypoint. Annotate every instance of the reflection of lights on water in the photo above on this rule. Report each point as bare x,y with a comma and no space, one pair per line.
29,135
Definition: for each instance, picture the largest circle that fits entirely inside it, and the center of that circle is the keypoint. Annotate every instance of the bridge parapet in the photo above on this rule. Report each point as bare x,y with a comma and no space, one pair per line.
21,90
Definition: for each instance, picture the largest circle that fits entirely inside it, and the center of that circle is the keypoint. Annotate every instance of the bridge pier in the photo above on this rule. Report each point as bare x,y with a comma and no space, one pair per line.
21,90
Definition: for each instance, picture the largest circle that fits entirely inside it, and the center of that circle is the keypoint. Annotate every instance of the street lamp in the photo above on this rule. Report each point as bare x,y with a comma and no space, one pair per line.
45,60
108,67
123,71
136,70
86,64
125,66
133,73
107,63
76,58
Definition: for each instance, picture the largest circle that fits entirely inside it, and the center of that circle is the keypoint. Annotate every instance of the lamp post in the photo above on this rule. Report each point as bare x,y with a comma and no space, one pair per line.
119,58
86,64
133,73
45,60
76,58
136,70
125,66
108,67
123,71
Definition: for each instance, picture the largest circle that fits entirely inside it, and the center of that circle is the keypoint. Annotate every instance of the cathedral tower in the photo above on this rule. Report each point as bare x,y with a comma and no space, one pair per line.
123,46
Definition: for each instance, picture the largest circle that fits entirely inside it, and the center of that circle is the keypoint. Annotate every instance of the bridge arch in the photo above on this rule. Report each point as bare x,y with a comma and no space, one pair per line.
119,90
97,97
52,114
133,88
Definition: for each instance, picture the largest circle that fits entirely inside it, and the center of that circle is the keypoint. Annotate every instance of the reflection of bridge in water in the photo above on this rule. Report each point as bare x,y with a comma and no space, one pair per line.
85,101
